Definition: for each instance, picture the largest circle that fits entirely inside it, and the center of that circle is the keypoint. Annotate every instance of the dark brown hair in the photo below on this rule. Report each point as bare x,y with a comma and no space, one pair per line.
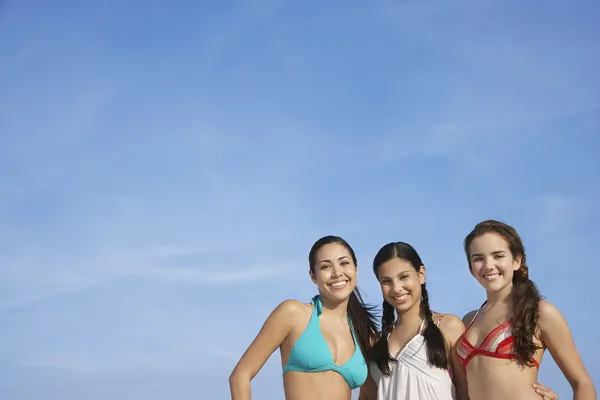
524,294
436,346
361,315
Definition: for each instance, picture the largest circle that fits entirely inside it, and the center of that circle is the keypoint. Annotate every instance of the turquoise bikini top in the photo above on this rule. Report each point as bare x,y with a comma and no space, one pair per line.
311,353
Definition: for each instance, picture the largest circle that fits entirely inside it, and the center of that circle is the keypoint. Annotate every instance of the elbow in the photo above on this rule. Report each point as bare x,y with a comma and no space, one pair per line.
233,378
237,377
584,388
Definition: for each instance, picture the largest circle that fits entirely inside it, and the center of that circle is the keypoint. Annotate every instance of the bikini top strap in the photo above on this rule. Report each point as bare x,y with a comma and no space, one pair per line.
421,326
317,305
439,319
476,314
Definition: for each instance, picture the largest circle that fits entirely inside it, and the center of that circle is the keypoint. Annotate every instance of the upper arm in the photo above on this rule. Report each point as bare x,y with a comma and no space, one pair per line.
556,337
452,328
272,334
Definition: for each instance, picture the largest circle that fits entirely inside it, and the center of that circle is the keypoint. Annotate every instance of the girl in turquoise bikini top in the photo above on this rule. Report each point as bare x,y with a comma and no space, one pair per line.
311,352
303,333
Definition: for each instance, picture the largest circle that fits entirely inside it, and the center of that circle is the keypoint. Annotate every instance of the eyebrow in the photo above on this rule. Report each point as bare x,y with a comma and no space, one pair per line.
406,271
339,259
493,253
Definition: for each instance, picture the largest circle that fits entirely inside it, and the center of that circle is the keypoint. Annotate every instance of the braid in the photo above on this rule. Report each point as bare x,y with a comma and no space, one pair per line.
436,345
425,305
380,352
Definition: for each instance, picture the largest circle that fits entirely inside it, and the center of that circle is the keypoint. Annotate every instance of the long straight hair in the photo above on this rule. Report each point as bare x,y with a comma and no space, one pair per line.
362,316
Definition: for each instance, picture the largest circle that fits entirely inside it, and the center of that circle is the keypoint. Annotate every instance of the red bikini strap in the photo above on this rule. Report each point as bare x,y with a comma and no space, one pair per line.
476,314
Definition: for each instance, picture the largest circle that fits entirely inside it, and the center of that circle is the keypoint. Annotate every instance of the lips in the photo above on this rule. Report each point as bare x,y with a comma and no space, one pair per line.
401,299
338,285
491,277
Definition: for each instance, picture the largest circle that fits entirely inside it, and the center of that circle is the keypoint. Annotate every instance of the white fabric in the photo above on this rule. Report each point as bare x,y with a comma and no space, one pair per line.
413,378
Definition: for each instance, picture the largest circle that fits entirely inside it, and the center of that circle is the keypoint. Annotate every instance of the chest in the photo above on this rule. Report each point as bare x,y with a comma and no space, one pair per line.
488,324
338,338
400,338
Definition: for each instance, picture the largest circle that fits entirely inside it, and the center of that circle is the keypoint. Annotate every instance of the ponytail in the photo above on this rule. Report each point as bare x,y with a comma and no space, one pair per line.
525,299
364,321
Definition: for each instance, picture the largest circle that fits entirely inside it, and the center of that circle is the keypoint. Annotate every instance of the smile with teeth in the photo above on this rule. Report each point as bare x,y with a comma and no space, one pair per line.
339,285
491,277
402,298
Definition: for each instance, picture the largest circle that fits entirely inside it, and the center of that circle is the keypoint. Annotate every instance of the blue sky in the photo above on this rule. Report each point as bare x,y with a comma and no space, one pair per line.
166,166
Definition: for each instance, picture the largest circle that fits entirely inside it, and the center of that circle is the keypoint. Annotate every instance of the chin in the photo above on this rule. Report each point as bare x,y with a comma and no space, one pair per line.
339,295
494,286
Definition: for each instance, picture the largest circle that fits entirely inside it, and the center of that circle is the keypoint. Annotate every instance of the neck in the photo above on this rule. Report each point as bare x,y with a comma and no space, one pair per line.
501,297
337,309
411,316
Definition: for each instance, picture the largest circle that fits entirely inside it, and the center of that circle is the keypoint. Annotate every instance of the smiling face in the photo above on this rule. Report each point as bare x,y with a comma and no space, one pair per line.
401,284
492,263
334,272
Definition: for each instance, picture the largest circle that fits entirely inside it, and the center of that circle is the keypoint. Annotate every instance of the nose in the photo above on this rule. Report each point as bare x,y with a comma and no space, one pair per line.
336,270
488,264
396,288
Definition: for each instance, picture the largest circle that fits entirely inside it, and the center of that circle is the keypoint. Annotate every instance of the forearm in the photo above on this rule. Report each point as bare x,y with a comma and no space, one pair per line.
584,390
461,391
239,387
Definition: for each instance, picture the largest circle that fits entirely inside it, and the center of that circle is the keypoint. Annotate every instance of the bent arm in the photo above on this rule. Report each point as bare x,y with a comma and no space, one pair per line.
557,338
274,331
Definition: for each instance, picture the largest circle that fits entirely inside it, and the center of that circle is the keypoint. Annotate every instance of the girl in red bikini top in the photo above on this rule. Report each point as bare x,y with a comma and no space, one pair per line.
496,258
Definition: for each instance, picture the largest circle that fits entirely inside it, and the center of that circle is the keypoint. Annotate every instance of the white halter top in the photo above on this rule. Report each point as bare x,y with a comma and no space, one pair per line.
413,378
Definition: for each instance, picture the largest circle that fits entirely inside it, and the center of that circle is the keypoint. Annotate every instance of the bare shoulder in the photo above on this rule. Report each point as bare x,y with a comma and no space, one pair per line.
548,309
291,308
451,326
548,313
451,322
469,317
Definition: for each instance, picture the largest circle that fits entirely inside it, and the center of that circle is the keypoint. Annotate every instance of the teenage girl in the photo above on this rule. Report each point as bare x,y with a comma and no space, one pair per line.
323,343
505,339
411,360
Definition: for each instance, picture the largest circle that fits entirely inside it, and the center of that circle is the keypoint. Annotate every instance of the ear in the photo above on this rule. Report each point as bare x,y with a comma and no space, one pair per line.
312,276
422,274
517,262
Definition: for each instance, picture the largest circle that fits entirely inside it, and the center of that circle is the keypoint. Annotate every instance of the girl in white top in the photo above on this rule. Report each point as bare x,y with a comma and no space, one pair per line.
412,359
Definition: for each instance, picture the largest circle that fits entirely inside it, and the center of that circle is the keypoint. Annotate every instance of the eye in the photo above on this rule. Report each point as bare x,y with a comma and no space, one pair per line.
403,277
499,256
344,263
325,266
